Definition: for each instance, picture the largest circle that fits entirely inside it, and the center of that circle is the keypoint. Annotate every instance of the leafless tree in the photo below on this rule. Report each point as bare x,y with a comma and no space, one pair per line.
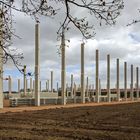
134,20
103,10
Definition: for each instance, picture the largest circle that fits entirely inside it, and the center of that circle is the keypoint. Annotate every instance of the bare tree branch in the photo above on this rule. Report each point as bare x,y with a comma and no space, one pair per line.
103,10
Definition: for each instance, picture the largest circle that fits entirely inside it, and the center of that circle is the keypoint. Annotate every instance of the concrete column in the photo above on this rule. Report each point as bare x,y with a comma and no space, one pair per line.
100,89
57,86
131,93
1,76
31,81
82,74
24,80
118,79
67,86
1,62
92,86
75,93
26,85
37,66
137,81
72,85
19,86
40,86
87,95
10,85
48,85
51,81
97,76
125,80
33,88
63,73
108,78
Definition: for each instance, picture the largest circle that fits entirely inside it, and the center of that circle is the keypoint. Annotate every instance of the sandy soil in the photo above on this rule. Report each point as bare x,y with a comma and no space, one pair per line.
118,121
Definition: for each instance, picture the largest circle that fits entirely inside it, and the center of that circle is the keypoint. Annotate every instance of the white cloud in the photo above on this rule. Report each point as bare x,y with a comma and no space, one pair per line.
116,41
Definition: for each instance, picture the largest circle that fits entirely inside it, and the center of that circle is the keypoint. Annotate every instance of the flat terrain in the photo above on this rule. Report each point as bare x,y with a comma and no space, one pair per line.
90,122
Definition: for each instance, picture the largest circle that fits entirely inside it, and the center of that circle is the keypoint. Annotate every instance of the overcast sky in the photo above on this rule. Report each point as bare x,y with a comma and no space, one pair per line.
119,41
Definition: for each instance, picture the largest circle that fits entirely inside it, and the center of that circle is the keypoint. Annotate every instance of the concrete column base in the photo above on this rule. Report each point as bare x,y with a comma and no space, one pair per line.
63,101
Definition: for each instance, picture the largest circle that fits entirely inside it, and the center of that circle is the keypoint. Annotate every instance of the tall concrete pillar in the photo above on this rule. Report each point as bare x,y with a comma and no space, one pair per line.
82,74
26,85
37,66
137,82
31,81
1,62
48,85
1,75
75,93
87,95
24,81
100,89
131,93
118,80
97,76
125,80
67,86
57,87
108,78
51,81
92,86
63,73
72,85
10,85
34,88
19,86
40,86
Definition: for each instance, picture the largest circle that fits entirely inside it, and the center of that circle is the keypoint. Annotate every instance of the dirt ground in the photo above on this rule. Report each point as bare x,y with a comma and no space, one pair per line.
73,122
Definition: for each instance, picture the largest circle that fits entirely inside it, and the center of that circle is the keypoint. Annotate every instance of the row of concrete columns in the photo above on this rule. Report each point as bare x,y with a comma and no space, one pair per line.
98,87
37,84
125,80
25,85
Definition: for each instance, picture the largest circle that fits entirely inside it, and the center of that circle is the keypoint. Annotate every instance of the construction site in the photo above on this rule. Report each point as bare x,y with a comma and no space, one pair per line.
97,113
34,96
